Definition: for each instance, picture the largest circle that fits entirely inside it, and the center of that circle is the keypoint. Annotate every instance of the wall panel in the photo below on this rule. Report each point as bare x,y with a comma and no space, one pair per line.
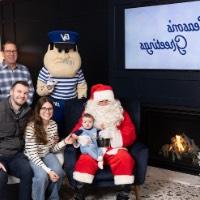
28,22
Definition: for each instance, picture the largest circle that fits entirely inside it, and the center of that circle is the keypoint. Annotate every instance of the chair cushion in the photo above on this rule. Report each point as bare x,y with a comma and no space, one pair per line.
103,178
13,180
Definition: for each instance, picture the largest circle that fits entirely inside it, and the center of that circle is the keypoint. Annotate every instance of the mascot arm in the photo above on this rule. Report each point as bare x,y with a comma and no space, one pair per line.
43,89
82,90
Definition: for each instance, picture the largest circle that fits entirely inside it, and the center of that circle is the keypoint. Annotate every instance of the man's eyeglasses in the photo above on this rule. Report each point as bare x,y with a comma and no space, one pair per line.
47,109
10,51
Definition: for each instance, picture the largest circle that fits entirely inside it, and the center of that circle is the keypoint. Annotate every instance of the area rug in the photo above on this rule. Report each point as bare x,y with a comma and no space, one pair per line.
167,190
158,186
151,190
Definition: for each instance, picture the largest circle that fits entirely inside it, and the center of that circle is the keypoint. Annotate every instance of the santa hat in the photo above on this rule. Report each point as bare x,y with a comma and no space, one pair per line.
100,92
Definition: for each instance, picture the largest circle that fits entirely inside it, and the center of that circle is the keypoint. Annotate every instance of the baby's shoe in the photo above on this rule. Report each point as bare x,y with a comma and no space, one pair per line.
100,162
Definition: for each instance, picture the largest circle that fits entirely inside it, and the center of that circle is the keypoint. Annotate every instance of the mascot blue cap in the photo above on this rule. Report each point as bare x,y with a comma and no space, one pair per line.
63,36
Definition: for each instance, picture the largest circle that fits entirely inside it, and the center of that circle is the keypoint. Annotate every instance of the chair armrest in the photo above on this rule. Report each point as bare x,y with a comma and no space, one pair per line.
13,180
140,153
60,156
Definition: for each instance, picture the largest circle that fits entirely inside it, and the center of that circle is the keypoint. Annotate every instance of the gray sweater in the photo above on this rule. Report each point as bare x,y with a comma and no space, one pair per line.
12,127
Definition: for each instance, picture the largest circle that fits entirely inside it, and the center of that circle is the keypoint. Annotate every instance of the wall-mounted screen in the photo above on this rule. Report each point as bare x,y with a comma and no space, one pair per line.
163,36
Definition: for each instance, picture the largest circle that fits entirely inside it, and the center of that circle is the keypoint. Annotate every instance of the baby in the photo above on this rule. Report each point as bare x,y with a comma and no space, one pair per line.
86,138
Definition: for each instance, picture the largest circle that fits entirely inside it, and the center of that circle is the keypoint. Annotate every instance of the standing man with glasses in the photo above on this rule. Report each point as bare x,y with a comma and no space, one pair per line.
11,71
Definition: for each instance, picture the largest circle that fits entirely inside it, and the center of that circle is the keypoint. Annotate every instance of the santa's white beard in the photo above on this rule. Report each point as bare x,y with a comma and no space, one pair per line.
105,116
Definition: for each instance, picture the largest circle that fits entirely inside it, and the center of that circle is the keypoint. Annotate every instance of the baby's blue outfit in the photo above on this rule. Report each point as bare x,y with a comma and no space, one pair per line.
92,149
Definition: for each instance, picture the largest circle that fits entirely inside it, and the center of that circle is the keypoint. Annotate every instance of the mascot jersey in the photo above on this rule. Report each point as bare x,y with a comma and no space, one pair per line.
65,88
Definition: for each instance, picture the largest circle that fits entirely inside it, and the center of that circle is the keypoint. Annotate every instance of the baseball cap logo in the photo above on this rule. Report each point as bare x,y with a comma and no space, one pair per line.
65,36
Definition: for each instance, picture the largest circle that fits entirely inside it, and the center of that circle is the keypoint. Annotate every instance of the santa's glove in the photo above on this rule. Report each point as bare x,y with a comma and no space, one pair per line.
84,140
107,133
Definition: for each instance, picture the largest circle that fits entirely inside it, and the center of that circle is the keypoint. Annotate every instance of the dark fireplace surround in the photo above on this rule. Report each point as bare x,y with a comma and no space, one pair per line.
161,123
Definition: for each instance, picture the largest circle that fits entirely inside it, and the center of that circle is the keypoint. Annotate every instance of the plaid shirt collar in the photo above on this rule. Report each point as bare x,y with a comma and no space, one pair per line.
4,65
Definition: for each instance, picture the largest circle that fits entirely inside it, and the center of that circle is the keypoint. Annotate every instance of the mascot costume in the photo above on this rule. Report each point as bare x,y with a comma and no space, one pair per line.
62,79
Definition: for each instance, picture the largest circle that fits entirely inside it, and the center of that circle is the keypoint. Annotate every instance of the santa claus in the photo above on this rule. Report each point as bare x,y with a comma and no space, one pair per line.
119,128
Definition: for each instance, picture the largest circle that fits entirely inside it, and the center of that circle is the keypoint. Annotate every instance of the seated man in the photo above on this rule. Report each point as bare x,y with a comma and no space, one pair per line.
108,114
14,113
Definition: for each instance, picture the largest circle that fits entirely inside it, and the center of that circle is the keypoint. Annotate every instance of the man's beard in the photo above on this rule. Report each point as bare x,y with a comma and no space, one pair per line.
109,115
18,102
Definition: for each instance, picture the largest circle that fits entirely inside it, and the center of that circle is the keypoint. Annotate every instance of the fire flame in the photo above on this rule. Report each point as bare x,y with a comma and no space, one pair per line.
179,142
180,146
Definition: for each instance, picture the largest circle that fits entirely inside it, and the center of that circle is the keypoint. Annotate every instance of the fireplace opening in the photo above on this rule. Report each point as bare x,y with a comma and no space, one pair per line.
173,137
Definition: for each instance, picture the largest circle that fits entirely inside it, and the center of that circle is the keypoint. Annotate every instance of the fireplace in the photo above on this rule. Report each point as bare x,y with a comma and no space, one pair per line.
173,137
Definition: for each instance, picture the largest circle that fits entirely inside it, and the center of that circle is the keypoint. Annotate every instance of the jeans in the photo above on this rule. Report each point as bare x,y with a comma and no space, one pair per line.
3,182
41,182
16,165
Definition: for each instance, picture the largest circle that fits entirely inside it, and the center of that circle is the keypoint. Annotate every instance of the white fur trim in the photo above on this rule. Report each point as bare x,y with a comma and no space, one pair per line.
83,177
123,179
116,140
114,151
104,95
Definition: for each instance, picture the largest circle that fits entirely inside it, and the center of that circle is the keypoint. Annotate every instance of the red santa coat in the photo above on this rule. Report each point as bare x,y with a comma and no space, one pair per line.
121,162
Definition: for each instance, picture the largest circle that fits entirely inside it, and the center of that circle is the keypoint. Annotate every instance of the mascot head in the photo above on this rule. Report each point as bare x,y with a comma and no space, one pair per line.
62,58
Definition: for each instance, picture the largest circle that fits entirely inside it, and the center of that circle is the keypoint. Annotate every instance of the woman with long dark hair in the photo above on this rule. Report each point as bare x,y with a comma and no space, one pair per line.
41,140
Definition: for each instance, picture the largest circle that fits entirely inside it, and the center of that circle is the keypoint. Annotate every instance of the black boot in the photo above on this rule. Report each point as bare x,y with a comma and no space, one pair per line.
79,191
123,194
